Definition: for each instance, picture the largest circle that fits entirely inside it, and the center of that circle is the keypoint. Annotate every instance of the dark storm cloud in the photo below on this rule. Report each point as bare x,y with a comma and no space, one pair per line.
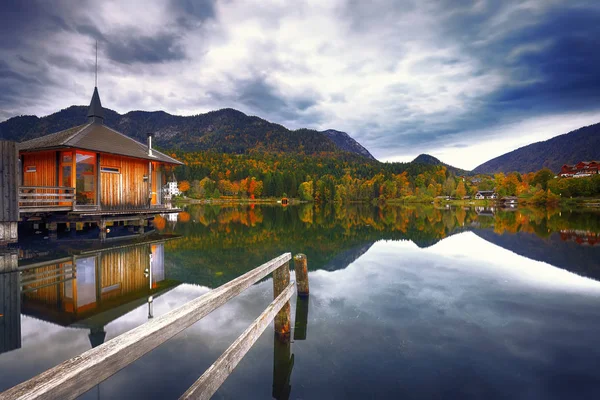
147,50
193,12
549,57
257,95
22,19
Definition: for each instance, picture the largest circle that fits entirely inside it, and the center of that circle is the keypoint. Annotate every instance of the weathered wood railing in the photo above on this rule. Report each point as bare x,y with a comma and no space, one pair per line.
79,374
46,197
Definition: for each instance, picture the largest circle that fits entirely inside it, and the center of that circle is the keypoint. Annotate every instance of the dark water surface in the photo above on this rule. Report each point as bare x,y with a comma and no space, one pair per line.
411,302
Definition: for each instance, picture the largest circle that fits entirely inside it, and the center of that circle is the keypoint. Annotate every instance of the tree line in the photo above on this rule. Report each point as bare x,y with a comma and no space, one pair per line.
345,177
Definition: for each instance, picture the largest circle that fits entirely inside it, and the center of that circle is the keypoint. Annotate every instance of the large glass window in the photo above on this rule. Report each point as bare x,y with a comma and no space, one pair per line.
85,177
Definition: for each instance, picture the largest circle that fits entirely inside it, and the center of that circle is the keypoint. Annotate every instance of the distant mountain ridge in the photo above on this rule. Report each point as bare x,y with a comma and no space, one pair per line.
226,131
431,160
582,144
346,143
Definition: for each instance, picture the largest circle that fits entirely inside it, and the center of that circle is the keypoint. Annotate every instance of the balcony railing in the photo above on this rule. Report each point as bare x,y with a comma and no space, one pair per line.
33,199
46,197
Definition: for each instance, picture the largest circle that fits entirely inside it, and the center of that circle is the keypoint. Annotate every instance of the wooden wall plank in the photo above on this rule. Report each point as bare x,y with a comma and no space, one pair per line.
9,182
127,188
45,165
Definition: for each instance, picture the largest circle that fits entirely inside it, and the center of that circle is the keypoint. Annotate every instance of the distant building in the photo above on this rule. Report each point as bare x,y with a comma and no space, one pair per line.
171,189
485,194
580,170
510,200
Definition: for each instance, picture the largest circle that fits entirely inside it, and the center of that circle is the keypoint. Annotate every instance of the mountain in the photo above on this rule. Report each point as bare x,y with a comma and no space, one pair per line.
224,131
580,145
343,141
431,160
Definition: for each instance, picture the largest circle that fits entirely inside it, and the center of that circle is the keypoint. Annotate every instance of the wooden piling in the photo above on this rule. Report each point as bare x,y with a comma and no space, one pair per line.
52,230
301,320
281,279
301,269
102,226
283,363
141,226
72,229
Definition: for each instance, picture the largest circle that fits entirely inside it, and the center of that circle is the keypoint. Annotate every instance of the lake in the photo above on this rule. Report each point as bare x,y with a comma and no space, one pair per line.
406,302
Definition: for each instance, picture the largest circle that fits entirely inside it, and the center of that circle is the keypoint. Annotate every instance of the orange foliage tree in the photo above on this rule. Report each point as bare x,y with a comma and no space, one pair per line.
183,186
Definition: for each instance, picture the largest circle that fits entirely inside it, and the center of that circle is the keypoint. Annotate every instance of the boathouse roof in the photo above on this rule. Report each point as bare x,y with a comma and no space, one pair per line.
95,136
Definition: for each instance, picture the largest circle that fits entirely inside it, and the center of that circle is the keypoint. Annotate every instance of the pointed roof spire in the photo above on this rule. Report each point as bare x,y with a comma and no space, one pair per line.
96,112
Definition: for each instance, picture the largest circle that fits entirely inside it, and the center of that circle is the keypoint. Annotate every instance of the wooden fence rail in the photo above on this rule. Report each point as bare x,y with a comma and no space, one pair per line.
36,197
79,374
216,374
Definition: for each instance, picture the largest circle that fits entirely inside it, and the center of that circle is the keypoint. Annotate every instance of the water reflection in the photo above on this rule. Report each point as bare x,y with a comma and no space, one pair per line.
332,237
414,302
81,289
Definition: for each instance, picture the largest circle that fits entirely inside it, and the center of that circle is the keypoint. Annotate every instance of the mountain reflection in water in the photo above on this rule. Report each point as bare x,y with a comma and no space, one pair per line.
414,302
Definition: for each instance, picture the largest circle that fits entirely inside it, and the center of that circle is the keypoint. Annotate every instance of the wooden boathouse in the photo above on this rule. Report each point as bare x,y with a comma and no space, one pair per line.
90,174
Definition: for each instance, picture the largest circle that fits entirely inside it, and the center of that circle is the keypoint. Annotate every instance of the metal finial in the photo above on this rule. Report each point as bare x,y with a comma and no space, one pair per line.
96,77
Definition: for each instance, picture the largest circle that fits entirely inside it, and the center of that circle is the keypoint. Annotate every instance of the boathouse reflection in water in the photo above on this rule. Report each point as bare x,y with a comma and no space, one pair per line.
86,289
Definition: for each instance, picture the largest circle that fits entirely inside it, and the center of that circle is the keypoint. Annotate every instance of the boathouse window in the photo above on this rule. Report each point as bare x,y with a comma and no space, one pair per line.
30,168
85,177
110,170
66,169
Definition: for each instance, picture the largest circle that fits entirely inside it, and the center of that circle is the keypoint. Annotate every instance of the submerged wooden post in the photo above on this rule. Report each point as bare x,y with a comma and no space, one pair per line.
283,363
301,320
281,279
301,269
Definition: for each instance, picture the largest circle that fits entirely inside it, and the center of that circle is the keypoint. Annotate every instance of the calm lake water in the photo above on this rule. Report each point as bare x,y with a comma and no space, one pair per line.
413,302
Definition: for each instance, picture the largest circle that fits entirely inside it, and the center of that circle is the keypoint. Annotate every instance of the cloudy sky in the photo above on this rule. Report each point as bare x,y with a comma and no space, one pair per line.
463,80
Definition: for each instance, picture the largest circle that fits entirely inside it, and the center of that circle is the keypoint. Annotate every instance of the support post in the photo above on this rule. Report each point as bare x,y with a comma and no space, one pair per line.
141,227
281,279
72,229
52,230
102,226
283,363
301,269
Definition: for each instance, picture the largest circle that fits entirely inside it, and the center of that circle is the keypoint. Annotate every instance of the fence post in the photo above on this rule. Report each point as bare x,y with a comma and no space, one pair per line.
281,279
301,269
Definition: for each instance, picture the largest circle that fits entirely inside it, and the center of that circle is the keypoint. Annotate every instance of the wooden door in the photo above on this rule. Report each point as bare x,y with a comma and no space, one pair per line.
111,184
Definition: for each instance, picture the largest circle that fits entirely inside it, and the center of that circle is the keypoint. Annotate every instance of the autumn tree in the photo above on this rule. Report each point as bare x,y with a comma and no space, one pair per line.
183,186
461,191
542,177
